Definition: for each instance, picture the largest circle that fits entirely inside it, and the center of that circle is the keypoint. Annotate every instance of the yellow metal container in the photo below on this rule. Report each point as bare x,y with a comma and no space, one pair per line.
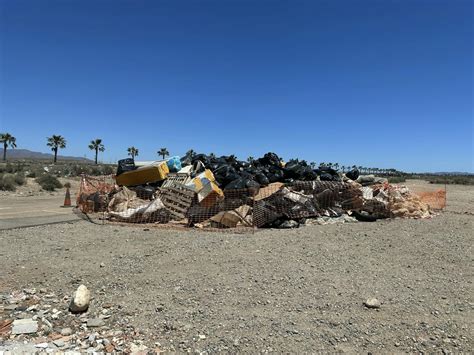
143,175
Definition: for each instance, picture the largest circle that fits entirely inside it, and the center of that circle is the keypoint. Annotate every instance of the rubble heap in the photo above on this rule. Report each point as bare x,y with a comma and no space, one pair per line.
223,192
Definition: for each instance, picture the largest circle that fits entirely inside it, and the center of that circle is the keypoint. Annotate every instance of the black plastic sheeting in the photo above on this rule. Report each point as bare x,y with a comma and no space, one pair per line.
231,173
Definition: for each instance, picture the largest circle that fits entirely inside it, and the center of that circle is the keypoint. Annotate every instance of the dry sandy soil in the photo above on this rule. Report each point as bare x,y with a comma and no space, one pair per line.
31,189
294,291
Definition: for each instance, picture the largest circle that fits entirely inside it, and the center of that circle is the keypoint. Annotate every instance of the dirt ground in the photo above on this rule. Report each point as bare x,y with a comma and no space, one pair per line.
299,290
32,189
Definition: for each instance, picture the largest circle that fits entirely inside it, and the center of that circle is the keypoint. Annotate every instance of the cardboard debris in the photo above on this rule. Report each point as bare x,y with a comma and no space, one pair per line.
233,218
269,190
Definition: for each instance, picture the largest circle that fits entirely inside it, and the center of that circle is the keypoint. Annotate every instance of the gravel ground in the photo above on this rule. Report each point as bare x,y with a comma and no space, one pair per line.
295,291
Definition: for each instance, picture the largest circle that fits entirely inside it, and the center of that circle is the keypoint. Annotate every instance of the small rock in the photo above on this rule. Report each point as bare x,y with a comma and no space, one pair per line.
372,303
66,331
42,345
102,265
202,336
95,322
135,349
24,326
80,300
109,348
59,343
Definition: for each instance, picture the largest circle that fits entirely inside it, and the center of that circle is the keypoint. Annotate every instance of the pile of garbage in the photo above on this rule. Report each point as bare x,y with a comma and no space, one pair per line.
223,192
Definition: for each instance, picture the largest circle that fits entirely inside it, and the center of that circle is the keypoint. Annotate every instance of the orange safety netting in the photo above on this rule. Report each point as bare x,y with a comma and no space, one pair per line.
435,199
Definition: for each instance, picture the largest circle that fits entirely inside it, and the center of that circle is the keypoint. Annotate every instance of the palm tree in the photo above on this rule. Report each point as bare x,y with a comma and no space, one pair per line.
250,159
312,165
8,140
133,152
191,153
336,166
212,156
56,142
97,146
163,152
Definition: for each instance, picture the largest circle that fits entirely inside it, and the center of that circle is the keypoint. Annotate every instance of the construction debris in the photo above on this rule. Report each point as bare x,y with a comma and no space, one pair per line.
223,192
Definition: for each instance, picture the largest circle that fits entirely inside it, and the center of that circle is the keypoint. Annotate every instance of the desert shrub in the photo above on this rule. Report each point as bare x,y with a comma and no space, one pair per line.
48,182
396,179
107,169
20,178
459,180
7,182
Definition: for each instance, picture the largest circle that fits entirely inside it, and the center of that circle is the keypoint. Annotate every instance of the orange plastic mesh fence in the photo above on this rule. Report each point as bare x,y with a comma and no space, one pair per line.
93,193
435,199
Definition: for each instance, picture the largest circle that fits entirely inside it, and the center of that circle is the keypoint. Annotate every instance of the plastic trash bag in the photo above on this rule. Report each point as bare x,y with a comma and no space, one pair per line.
124,165
353,174
174,164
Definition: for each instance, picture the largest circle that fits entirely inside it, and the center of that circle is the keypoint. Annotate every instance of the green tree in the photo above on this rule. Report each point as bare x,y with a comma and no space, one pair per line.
133,152
250,159
191,153
212,156
56,143
163,152
96,145
8,141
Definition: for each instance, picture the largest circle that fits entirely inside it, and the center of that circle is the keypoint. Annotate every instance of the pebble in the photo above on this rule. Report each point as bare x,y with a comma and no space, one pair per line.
66,331
80,300
24,326
95,322
372,303
59,343
102,265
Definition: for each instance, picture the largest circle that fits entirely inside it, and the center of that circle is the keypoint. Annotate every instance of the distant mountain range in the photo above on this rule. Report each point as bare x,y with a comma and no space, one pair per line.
29,154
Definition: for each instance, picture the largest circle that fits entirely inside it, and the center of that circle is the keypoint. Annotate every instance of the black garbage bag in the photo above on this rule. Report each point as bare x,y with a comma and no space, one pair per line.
264,214
124,165
225,174
299,170
309,174
270,159
262,179
327,170
187,159
275,174
327,177
363,216
202,158
353,174
145,192
242,183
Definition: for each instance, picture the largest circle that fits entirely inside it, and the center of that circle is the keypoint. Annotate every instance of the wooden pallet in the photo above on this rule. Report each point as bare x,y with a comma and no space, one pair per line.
177,200
176,179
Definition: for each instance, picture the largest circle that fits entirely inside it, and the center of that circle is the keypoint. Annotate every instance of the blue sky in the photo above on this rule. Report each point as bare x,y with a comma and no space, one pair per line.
376,83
